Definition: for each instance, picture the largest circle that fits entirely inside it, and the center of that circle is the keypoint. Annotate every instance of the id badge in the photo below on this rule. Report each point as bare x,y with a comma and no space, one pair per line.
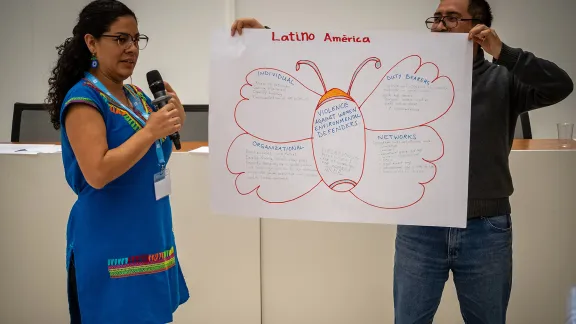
162,184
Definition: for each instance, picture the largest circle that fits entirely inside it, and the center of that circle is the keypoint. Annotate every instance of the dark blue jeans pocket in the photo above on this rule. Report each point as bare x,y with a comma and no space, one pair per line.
501,223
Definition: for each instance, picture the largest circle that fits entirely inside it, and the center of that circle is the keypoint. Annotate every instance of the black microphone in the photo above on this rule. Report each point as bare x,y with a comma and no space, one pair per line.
161,98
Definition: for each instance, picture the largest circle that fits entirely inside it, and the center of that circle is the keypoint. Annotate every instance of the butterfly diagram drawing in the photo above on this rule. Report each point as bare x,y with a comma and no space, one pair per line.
374,134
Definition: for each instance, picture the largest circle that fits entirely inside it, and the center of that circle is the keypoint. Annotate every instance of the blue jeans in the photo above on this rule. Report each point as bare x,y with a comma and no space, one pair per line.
480,257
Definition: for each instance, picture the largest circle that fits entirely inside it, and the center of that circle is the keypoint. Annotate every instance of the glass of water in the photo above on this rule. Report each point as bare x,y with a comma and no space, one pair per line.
565,134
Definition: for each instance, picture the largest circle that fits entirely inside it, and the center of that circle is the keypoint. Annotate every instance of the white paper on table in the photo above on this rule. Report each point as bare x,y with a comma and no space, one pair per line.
313,129
9,148
202,149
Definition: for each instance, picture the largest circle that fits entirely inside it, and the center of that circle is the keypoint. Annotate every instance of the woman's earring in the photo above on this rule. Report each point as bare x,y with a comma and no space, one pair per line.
94,61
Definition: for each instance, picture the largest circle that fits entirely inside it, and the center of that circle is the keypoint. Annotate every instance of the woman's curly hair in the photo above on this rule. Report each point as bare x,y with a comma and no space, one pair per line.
74,57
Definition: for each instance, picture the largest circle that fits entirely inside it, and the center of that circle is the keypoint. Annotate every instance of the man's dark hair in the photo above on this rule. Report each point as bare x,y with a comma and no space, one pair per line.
480,9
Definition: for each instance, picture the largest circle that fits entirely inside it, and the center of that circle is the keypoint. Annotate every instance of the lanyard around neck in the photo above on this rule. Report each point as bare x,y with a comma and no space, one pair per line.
137,105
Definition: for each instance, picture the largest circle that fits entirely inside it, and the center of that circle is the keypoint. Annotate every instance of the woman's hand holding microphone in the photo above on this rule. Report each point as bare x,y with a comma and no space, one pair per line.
165,121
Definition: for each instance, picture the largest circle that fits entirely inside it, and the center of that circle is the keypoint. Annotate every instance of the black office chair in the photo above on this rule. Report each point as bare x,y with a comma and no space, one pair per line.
523,129
31,123
196,127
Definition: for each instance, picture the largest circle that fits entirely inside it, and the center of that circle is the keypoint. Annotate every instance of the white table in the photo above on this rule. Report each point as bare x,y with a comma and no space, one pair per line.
244,271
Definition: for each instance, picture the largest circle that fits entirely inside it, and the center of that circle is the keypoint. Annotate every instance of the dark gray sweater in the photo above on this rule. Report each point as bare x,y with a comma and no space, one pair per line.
515,83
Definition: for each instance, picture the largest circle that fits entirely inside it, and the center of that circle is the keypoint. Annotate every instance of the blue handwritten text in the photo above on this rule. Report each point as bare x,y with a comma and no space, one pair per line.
397,137
285,148
336,118
277,75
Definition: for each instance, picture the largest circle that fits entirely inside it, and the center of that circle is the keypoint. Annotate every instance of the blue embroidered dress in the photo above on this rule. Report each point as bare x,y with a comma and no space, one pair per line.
121,237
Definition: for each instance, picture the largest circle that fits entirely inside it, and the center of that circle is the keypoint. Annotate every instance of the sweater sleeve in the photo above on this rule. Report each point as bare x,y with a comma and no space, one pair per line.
535,82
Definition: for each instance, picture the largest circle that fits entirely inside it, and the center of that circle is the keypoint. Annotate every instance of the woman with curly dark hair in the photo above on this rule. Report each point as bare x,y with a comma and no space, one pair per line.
121,252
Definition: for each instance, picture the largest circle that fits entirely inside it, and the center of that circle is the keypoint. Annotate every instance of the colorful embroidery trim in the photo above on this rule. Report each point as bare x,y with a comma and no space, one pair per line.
117,109
142,264
80,100
135,91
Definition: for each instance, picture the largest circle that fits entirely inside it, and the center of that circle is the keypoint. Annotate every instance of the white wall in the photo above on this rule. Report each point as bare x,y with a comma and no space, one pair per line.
542,27
179,31
29,32
179,46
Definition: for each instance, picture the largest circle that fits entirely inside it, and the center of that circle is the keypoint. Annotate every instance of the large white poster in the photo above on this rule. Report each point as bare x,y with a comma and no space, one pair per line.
333,127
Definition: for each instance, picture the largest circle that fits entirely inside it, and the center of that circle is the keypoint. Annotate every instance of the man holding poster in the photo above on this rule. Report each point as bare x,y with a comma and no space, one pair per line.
479,255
